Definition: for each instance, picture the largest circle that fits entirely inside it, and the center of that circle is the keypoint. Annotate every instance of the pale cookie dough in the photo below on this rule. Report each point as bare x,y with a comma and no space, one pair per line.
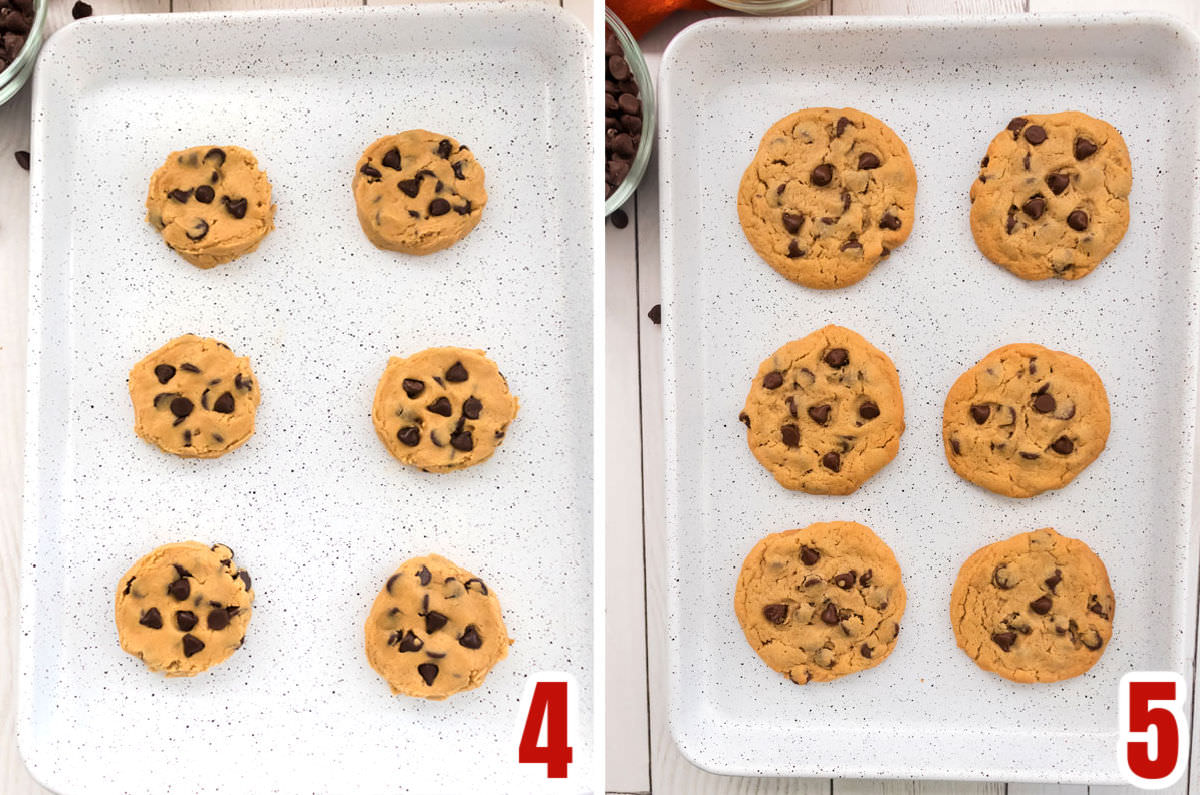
1052,196
418,192
1036,607
211,203
1025,419
443,408
184,607
193,397
824,412
821,602
829,193
435,629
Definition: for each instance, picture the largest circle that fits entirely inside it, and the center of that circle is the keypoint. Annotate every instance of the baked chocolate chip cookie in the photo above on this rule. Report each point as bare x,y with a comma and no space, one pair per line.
829,193
211,203
418,192
1025,419
443,408
825,412
821,602
194,397
1036,607
435,629
1052,196
184,607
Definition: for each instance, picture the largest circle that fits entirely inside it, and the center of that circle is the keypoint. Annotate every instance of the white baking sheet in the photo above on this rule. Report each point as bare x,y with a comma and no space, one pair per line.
946,86
313,505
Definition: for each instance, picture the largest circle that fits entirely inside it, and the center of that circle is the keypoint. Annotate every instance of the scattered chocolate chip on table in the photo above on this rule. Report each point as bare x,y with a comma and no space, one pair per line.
81,10
22,159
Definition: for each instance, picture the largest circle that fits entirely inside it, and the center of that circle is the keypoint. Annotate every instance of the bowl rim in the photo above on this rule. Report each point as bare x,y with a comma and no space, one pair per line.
29,50
641,73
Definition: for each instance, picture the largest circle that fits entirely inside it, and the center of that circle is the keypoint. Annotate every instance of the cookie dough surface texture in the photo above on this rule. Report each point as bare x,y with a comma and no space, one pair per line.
821,602
1036,607
435,629
829,193
824,412
194,397
418,192
1025,419
443,408
211,203
1052,196
184,607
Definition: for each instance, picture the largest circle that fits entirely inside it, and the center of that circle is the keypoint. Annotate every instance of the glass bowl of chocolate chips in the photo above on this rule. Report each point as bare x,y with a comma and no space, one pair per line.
21,24
628,114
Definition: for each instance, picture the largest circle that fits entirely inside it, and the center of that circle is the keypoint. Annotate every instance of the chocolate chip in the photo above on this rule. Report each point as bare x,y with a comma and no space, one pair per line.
391,580
809,555
205,194
822,174
832,462
192,645
1041,605
867,160
812,580
980,413
441,406
410,187
1053,581
180,589
1044,403
1004,640
180,195
224,404
371,171
1035,134
219,619
865,579
1078,220
954,446
845,201
775,613
424,576
471,408
409,642
444,149
791,435
1030,456
819,414
1084,148
1058,183
1034,207
151,618
215,154
186,620
1002,579
866,651
434,621
842,124
851,243
837,358
470,638
845,580
1011,223
413,387
428,672
794,251
1016,125
409,435
244,577
1091,639
187,435
482,586
619,219
868,411
242,383
830,614
462,441
129,585
391,159
457,373
1095,606
181,407
22,159
773,380
189,367
1063,446
792,222
889,221
439,207
164,373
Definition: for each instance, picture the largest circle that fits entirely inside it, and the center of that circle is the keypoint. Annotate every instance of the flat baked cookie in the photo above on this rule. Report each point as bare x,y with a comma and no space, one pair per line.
211,203
443,408
418,192
1025,419
1036,607
194,397
184,607
1052,196
821,602
825,412
829,193
435,629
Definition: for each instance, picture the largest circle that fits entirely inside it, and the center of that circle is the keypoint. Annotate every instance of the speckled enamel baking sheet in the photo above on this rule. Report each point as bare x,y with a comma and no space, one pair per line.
935,306
313,505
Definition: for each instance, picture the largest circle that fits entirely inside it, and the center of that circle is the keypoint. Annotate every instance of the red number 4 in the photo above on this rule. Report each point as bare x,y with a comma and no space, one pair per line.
549,705
1154,731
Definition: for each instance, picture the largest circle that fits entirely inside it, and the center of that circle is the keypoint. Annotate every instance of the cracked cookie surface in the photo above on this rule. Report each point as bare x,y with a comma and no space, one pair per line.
824,412
1025,419
435,629
1052,196
194,397
211,203
1036,607
821,602
418,192
443,408
829,193
184,608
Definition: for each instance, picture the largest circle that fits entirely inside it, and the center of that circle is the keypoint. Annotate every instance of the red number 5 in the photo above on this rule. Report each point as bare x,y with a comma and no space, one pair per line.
1153,738
549,704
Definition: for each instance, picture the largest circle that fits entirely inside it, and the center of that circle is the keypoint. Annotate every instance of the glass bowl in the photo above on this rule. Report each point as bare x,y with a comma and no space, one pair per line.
16,73
765,7
641,75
